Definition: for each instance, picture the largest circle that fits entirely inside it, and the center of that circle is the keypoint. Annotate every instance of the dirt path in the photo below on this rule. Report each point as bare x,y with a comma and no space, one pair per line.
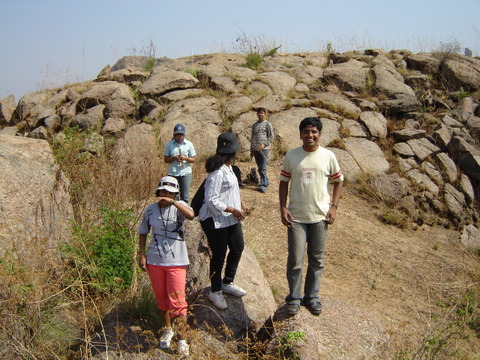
409,281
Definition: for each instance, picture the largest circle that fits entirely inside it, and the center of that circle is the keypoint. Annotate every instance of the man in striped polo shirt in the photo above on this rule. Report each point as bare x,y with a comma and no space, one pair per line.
261,138
308,170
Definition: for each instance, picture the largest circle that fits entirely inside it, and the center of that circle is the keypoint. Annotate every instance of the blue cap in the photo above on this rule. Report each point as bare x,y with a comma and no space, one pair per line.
179,129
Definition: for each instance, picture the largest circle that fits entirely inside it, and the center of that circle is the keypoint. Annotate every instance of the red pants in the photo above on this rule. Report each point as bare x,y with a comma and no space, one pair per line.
168,284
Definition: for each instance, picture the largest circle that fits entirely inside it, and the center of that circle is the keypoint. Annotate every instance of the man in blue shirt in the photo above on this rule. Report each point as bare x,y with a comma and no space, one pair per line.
180,154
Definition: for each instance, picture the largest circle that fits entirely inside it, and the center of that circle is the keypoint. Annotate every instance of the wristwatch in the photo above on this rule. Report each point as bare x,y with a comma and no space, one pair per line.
334,205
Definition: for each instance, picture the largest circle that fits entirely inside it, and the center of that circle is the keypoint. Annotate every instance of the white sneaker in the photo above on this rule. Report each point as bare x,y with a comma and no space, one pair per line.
166,338
233,289
218,300
183,348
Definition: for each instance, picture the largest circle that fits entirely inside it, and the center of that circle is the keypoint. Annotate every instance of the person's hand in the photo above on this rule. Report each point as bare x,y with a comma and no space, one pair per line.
331,215
165,201
142,262
182,158
286,216
239,214
245,208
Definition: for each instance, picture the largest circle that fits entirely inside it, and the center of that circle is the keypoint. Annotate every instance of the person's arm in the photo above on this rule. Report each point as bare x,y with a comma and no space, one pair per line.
142,259
337,193
285,214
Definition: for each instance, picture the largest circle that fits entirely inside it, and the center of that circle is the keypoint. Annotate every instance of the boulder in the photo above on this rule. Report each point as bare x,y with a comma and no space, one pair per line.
163,81
116,98
425,63
237,106
403,149
375,123
338,104
460,75
389,82
114,126
35,202
407,134
349,166
7,107
389,188
423,148
368,155
272,103
455,202
92,119
349,76
280,82
244,315
400,106
450,171
422,181
353,128
307,74
466,187
470,237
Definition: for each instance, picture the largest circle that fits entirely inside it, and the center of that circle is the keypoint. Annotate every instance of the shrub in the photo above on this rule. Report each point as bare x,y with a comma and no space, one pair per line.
104,251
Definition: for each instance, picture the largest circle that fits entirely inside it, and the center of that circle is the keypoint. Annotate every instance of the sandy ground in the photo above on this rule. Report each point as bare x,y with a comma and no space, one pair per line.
409,280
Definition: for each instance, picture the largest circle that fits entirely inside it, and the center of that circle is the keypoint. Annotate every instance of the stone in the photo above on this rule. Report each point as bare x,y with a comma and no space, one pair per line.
375,123
368,155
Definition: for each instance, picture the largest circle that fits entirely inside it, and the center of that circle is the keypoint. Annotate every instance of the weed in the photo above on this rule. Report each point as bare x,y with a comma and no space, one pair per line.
460,95
104,251
272,51
253,61
394,216
150,64
337,143
286,343
193,72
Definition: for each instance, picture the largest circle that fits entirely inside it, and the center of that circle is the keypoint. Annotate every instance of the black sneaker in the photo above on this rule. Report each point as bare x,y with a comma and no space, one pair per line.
315,307
293,309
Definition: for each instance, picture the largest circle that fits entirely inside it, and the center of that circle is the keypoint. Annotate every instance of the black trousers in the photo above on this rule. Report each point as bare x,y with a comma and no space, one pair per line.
219,240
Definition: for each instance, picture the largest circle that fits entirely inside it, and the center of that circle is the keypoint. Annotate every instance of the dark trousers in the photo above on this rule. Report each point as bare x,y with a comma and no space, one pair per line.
219,240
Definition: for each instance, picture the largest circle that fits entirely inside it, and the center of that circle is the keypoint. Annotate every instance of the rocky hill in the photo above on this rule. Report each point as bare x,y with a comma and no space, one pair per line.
405,128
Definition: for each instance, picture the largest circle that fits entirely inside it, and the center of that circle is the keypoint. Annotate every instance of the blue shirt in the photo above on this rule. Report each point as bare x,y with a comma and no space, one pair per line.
186,148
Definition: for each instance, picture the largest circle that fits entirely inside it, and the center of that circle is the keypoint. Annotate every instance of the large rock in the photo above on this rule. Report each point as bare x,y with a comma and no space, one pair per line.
280,82
461,75
375,123
244,315
368,155
389,188
349,76
389,82
163,81
115,96
349,166
470,237
7,107
423,148
35,203
338,104
424,63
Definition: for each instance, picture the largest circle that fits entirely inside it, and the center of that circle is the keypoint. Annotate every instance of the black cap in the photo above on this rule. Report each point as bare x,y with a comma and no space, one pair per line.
227,143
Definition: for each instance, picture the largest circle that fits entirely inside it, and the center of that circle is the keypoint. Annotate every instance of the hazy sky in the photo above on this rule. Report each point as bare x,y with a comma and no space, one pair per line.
48,43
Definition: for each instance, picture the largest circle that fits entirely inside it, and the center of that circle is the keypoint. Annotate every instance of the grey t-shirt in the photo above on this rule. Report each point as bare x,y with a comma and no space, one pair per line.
167,246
